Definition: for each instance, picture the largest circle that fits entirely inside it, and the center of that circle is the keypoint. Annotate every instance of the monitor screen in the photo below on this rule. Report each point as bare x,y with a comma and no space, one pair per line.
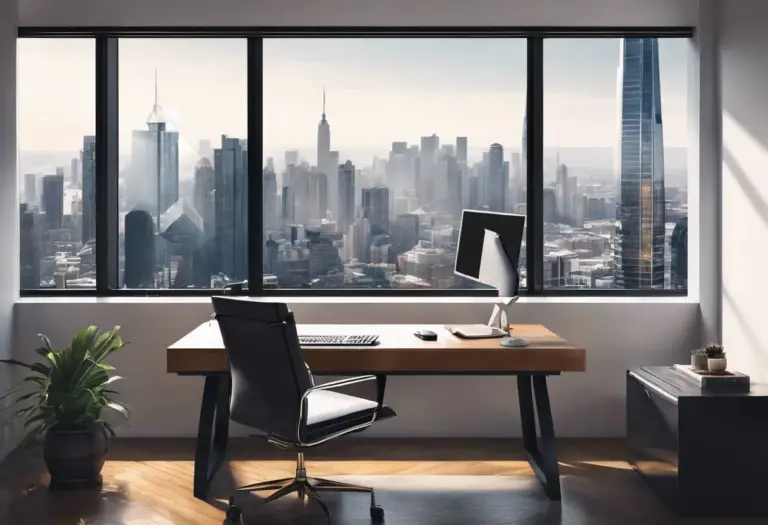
509,226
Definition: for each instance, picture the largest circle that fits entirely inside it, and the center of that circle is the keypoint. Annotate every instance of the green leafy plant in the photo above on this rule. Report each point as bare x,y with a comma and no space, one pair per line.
714,351
70,387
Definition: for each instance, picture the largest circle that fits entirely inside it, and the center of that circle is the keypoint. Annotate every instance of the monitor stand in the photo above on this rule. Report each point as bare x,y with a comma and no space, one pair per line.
500,316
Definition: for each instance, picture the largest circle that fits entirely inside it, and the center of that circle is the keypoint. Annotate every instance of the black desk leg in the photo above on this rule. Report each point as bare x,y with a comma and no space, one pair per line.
212,432
542,455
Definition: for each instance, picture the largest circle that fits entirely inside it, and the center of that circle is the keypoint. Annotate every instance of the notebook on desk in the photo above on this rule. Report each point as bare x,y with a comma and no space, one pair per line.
476,331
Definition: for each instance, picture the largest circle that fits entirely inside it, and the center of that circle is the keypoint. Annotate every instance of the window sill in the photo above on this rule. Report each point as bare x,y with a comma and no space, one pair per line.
571,299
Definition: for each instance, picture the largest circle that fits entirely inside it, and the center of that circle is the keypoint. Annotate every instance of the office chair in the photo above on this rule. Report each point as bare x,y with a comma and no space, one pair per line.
273,391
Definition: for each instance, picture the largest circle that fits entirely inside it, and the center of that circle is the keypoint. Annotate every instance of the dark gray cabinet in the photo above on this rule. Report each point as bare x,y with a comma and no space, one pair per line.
704,454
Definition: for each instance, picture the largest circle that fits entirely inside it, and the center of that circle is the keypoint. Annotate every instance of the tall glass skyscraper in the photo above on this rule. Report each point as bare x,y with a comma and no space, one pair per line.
639,250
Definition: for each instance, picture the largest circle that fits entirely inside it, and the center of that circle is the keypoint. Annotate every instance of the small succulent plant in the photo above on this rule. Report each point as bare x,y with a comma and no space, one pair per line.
714,351
698,351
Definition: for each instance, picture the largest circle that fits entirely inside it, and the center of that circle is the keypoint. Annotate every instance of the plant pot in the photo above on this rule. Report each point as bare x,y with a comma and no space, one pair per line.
75,457
717,365
699,362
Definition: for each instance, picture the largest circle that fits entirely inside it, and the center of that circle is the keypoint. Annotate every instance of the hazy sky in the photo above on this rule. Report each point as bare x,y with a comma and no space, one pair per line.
379,91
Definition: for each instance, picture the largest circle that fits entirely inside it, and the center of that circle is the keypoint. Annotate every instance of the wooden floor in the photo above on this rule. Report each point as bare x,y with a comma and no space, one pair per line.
149,482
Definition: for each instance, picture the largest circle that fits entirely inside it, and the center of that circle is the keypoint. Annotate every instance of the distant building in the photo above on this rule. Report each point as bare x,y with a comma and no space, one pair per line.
679,249
29,249
496,182
550,205
376,209
30,188
88,155
74,171
153,183
231,208
461,149
269,198
204,199
346,196
289,202
139,250
53,200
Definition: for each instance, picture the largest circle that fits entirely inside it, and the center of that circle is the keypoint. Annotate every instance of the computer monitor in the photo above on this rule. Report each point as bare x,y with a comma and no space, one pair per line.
469,254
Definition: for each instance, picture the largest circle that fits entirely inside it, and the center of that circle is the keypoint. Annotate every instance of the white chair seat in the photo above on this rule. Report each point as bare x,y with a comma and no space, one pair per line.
327,405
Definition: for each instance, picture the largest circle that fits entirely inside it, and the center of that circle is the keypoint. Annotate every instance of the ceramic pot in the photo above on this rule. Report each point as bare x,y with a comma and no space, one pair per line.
75,457
717,364
699,362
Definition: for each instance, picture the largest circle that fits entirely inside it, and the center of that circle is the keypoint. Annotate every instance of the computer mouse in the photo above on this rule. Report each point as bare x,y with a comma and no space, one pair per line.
426,335
513,342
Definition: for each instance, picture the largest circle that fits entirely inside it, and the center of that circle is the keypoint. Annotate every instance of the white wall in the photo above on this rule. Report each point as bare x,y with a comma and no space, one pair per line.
744,92
357,12
617,337
9,207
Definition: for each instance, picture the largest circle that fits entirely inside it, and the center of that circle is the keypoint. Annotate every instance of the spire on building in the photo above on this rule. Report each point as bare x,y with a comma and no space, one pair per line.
156,116
323,102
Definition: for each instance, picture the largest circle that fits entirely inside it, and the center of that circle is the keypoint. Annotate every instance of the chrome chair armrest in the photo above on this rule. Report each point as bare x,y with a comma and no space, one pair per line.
330,386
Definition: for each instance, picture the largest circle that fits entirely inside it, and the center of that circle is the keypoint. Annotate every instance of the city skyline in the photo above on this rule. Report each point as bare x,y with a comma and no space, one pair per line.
388,222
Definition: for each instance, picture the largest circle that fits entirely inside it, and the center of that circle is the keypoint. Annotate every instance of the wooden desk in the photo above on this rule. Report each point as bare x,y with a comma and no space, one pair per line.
201,352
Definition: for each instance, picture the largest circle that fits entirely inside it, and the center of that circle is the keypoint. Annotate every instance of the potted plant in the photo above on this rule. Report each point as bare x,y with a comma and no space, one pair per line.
699,360
69,390
716,362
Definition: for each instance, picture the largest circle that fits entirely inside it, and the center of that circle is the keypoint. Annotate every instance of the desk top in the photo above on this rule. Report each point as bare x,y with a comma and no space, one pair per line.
202,352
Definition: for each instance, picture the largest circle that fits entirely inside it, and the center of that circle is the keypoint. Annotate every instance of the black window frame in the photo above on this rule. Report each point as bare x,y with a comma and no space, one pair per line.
107,148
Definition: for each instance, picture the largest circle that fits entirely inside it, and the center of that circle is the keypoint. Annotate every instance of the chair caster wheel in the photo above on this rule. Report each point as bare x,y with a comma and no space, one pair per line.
233,514
377,513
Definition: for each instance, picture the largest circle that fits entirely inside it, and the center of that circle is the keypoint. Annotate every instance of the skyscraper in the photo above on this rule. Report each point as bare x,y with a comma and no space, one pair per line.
427,169
461,149
346,197
496,189
324,164
323,141
74,171
269,198
561,179
549,205
318,195
89,188
30,188
679,248
231,208
640,232
204,195
289,202
139,250
53,200
376,209
154,180
29,249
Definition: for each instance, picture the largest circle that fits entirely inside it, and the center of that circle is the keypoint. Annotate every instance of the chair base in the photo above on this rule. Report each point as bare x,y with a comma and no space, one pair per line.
305,486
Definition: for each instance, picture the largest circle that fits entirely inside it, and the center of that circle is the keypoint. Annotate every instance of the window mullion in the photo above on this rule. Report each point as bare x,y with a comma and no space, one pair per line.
255,160
107,168
535,165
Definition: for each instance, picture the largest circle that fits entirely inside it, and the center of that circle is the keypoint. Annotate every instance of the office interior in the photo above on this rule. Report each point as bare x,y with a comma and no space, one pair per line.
453,452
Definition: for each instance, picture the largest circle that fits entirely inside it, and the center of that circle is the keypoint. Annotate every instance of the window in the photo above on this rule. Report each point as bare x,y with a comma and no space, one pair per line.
615,180
374,146
183,199
339,160
57,147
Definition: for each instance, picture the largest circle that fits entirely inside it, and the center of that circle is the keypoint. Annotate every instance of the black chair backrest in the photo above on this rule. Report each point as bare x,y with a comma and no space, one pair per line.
269,375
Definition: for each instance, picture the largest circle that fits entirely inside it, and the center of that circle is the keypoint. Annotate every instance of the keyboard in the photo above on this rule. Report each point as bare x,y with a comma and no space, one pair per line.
338,340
